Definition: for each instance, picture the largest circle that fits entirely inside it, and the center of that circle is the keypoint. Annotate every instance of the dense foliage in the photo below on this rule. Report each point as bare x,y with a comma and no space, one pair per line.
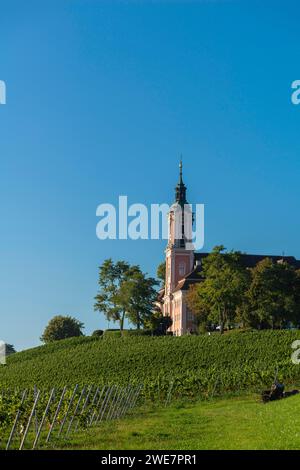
9,349
125,292
195,365
273,297
161,273
97,333
60,327
217,298
264,297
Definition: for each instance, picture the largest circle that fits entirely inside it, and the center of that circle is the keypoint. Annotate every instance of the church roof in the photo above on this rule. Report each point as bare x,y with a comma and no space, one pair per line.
250,261
161,294
192,278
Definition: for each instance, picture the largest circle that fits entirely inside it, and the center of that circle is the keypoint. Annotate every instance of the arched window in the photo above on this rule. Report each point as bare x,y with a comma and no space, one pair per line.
181,268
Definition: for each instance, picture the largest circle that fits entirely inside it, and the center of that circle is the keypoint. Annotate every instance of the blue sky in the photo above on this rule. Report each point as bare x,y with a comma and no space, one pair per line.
102,98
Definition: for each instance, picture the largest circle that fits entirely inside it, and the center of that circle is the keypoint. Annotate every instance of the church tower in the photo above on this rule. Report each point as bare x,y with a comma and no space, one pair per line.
179,256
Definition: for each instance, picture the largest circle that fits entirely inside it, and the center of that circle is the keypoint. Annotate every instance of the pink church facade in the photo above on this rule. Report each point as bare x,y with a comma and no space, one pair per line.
180,261
184,265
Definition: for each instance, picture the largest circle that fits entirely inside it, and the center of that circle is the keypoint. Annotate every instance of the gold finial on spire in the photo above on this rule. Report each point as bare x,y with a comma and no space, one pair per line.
180,168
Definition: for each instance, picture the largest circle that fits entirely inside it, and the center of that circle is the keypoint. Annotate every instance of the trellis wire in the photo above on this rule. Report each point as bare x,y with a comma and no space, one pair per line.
68,409
84,405
168,399
43,419
11,435
76,410
104,404
56,413
37,395
94,413
111,407
65,410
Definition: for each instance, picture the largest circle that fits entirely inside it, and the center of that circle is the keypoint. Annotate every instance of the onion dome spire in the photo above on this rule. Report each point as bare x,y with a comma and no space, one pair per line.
180,190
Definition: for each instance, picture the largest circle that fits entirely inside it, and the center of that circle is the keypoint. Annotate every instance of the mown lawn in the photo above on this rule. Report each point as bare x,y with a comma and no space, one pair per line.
231,423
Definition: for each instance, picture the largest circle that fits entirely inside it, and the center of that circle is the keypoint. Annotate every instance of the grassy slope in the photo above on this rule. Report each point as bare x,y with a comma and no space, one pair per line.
238,361
232,423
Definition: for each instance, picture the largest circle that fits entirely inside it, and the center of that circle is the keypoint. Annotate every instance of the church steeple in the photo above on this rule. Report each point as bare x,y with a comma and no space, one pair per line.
180,190
180,171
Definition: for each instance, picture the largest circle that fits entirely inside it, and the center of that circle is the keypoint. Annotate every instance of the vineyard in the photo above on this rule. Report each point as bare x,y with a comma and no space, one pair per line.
193,366
31,418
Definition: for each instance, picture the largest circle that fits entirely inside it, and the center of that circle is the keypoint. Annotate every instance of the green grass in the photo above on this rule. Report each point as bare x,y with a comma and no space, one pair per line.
196,365
231,423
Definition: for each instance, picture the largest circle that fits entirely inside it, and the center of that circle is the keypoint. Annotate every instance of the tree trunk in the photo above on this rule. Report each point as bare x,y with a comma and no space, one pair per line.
222,322
122,321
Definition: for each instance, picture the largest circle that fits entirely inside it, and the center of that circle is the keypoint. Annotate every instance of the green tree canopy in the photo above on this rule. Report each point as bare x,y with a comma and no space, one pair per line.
161,273
138,295
158,322
273,297
125,291
62,327
10,349
217,298
108,301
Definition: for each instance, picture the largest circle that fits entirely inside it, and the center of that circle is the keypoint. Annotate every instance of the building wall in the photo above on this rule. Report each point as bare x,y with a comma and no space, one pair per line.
179,262
177,314
182,317
189,325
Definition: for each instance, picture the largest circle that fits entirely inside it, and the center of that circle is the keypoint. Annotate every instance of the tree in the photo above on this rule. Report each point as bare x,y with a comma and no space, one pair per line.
10,349
108,300
273,297
161,273
137,295
97,333
199,307
222,289
158,322
125,291
62,327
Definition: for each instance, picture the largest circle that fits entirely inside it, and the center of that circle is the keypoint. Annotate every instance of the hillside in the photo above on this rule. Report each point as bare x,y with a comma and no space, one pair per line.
231,423
195,364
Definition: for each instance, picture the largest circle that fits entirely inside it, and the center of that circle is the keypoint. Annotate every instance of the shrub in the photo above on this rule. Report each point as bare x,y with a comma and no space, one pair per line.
60,327
112,334
137,333
97,333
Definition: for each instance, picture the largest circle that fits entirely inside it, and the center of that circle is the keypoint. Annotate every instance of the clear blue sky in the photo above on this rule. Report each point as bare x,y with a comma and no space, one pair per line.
102,97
